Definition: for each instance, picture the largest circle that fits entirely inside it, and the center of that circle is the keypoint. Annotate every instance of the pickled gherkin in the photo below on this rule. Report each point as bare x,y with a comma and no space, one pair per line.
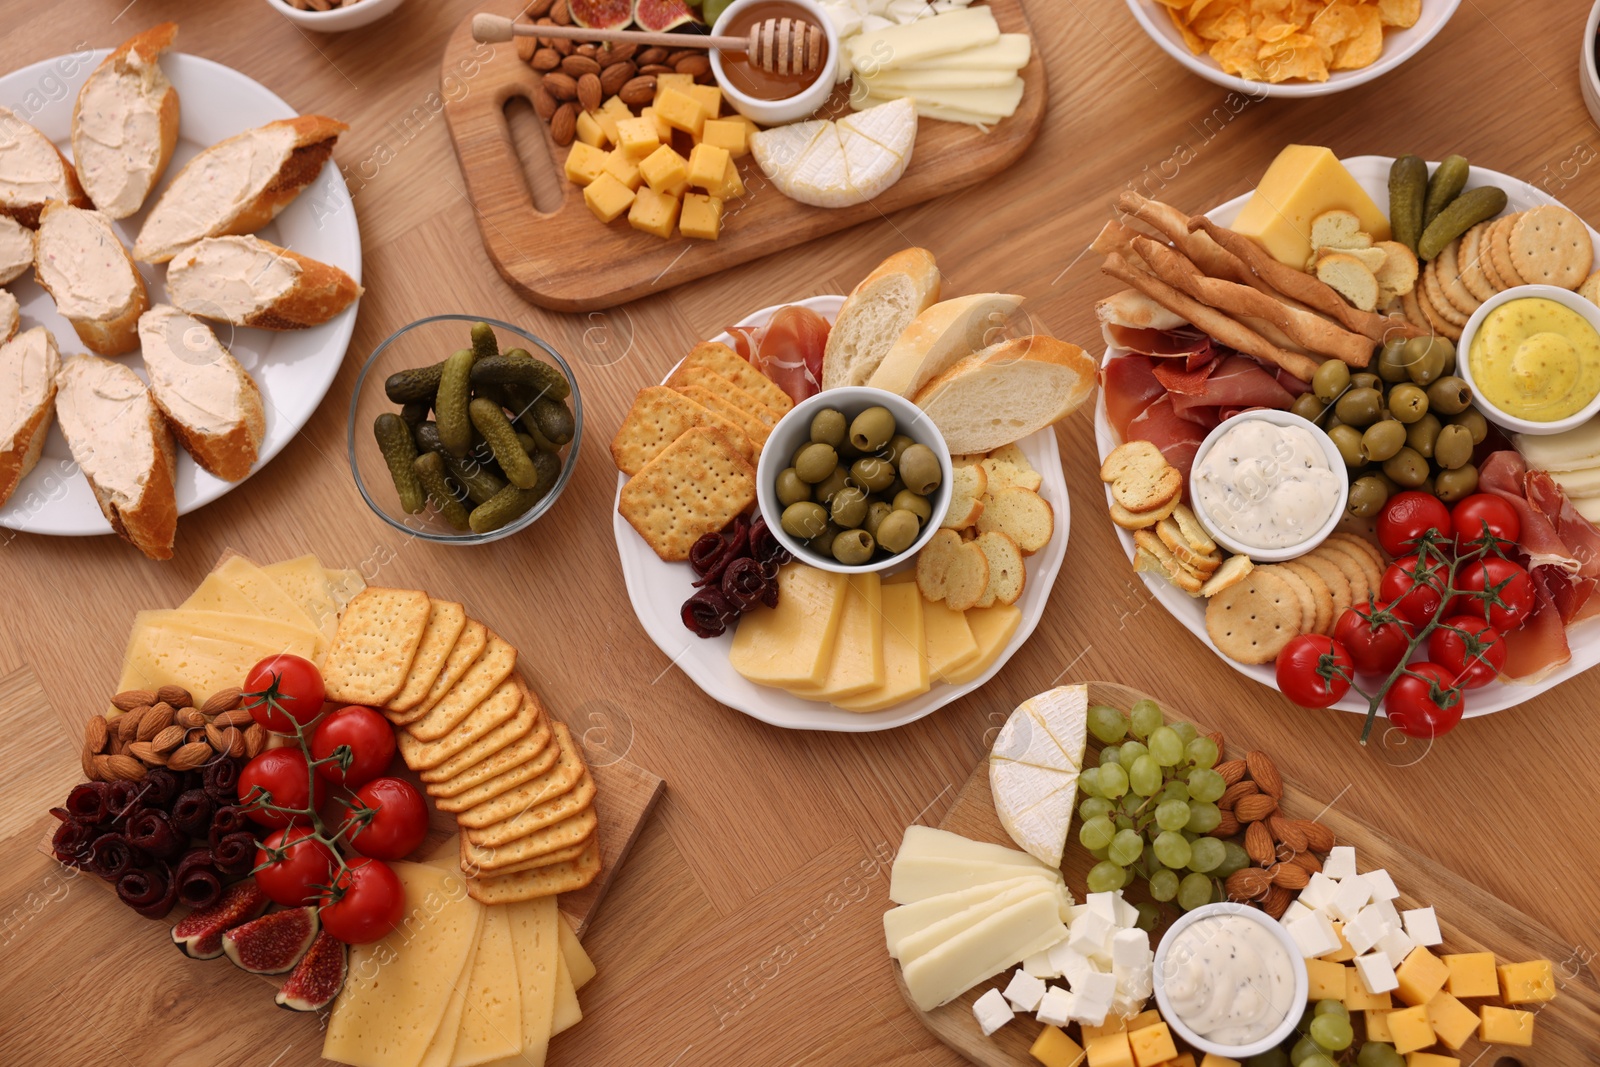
400,452
431,472
491,421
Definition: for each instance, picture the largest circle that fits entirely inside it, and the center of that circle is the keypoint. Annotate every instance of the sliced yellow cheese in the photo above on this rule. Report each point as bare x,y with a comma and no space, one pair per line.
491,1024
913,42
1302,183
307,583
344,585
993,629
443,1044
240,586
951,646
857,661
791,645
567,1013
169,647
579,965
905,654
536,944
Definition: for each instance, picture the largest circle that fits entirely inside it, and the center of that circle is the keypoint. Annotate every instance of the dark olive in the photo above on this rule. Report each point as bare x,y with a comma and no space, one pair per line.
1347,439
804,520
791,490
919,469
1330,381
1422,434
872,429
823,492
1408,403
872,474
1383,439
1451,486
1391,361
906,500
1367,496
1453,448
898,530
828,427
815,462
853,547
1308,407
1407,467
848,507
1475,423
1449,395
1360,407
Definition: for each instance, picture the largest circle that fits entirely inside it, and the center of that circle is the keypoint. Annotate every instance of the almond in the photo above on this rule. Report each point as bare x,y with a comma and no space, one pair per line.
176,695
1318,836
1235,793
1308,860
560,86
214,736
615,53
614,77
1288,831
576,66
1258,844
1228,827
96,732
545,59
1253,807
128,723
167,739
255,739
189,756
102,769
236,717
651,55
559,12
638,91
222,700
232,742
154,721
124,767
1216,739
590,49
589,92
1290,876
1277,901
145,752
544,105
194,734
90,769
117,746
563,47
655,68
538,9
678,56
129,699
526,47
190,718
564,124
1232,771
694,65
1251,883
1265,773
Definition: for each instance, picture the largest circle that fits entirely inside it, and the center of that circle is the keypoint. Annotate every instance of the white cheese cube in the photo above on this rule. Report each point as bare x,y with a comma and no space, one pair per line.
1315,935
1127,914
1377,973
1366,929
992,1012
1103,905
1090,933
1135,983
1381,884
1070,964
1349,899
1396,944
1130,948
1076,912
1024,991
1385,908
1341,863
1318,893
1056,1007
1091,1000
1295,910
1423,926
1038,965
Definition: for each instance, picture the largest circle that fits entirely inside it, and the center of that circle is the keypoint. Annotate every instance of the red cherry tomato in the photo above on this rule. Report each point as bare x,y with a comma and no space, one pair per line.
305,870
366,902
371,742
1414,707
1314,671
1409,515
283,773
283,690
399,823
1512,600
1470,670
1413,589
1474,514
1374,649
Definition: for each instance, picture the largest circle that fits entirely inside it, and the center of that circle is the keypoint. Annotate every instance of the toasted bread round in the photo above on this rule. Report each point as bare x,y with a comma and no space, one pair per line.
1007,569
1021,514
967,487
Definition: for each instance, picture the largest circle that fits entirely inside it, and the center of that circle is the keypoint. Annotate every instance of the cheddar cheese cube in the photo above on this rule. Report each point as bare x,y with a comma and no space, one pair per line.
584,163
732,185
625,170
637,137
663,129
701,217
1452,1021
590,131
1357,998
1183,1059
1527,983
1109,1050
653,212
607,121
726,134
1142,1020
1114,1024
1430,1059
1504,1026
1471,974
1378,1025
709,97
708,165
607,197
681,111
1409,1028
1151,1045
1054,1048
1344,953
680,82
665,170
1421,976
1302,183
1327,980
1213,1060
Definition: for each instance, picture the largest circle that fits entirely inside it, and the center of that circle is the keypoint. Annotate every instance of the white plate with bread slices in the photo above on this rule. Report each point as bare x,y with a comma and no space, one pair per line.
294,269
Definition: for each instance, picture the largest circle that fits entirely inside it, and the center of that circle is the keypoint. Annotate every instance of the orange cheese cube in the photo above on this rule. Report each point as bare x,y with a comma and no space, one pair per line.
607,197
1327,980
680,82
708,165
1344,953
653,212
663,130
1429,1059
589,129
1421,976
1054,1048
732,186
1471,974
709,97
625,170
1109,1050
1378,1025
681,111
726,134
664,170
1452,1021
1114,1024
1151,1045
1184,1059
1213,1060
1527,983
702,217
584,163
1409,1029
637,137
1505,1026
1356,997
1142,1020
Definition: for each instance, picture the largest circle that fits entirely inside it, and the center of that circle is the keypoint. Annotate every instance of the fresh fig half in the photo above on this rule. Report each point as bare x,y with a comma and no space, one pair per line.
659,16
199,933
273,943
601,14
317,978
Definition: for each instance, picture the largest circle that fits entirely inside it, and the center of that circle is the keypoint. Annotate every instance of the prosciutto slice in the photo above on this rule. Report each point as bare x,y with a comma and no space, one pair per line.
1236,382
1177,438
1130,385
788,349
1194,347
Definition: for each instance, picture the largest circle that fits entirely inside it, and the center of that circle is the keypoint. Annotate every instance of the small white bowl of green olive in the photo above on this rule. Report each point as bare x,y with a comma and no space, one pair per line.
854,480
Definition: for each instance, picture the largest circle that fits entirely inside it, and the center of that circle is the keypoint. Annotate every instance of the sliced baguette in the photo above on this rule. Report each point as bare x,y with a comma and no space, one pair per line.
16,249
875,314
33,172
251,282
211,403
125,123
948,331
81,263
1007,391
237,185
10,316
28,367
1007,570
1022,515
123,446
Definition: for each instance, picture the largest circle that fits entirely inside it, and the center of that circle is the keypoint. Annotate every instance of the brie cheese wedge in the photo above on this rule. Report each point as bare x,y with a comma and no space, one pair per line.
839,164
1033,770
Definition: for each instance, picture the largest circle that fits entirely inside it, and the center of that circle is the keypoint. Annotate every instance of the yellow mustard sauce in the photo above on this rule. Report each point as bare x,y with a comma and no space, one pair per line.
1536,359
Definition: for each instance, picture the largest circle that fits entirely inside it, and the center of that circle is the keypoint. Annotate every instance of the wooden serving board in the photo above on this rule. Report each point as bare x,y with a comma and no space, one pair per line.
1471,920
566,260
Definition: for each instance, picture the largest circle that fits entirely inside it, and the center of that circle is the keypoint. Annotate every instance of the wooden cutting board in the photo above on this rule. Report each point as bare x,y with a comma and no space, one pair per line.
567,260
1471,920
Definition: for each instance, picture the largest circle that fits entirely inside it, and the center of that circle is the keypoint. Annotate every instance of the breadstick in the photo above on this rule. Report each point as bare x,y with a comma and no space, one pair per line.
1173,224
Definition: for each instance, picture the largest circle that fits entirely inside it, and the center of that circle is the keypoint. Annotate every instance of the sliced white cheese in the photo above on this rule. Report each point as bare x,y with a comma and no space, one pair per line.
910,80
983,951
1011,52
909,918
896,46
919,942
1579,485
936,111
1571,449
998,103
920,878
930,843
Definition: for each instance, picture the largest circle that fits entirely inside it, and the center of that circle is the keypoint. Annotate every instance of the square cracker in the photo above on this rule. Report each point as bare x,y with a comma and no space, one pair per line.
540,882
468,648
446,620
482,678
757,424
720,359
557,781
487,860
375,645
497,708
561,855
464,764
529,756
658,417
697,377
694,487
522,822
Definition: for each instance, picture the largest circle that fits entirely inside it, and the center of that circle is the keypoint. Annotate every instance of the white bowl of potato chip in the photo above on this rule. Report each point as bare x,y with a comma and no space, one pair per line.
1366,42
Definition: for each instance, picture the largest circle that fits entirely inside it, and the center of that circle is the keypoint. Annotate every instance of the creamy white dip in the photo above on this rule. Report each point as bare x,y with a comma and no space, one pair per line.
116,137
192,376
31,170
211,191
81,261
28,366
1266,486
229,278
1229,979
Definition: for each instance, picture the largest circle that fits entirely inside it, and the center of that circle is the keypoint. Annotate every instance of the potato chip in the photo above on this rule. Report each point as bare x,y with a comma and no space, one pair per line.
1304,62
1283,40
1365,47
1197,46
1401,14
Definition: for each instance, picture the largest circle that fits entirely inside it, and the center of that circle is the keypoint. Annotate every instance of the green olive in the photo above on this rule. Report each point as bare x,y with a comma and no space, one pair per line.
1329,421
1391,361
1450,395
1408,403
1427,486
1388,483
872,429
1330,380
919,469
853,547
1422,434
804,520
875,515
1383,439
1426,358
803,446
906,500
824,491
872,473
898,530
823,542
1368,494
1359,407
815,462
848,507
1308,407
1453,449
1347,439
791,490
1365,379
1406,467
828,427
896,448
1475,423
1451,486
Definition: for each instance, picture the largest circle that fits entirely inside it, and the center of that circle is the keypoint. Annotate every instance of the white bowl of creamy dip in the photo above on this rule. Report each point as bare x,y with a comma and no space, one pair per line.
1229,980
1531,355
1268,485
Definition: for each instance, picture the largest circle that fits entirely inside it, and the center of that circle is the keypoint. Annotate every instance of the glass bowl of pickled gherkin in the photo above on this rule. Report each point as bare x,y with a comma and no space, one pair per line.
463,429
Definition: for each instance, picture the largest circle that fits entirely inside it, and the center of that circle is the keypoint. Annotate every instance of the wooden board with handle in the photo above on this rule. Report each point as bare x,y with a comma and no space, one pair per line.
567,260
1471,919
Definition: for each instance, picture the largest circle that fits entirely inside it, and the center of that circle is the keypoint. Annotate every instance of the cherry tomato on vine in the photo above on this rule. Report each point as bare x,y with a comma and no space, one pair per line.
285,774
1512,601
366,902
1413,589
1423,703
301,875
371,741
1472,514
1375,649
1407,516
1314,671
399,823
1470,670
295,687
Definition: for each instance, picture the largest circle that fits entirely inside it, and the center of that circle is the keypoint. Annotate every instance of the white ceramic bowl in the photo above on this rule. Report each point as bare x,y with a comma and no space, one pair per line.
1270,555
794,429
1588,72
1301,980
1398,46
1564,297
336,20
790,109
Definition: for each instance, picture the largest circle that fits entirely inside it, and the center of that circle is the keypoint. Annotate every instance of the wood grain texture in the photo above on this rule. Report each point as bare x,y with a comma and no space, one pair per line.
565,259
760,825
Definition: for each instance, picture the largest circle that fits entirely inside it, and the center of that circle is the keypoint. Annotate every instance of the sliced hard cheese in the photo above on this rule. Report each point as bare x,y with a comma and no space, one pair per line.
983,951
928,842
491,1025
905,657
898,46
932,862
908,81
307,583
857,661
1589,508
992,628
1578,485
240,586
1572,449
567,1013
536,946
919,943
443,1043
996,102
1010,52
791,644
951,646
344,585
939,111
909,918
579,964
165,650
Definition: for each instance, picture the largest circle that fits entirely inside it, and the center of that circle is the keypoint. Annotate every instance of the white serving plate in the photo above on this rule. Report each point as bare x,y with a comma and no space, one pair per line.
659,589
1583,638
293,368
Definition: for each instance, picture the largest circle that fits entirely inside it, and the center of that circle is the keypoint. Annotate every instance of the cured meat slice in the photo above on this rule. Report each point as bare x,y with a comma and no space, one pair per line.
1130,385
1176,437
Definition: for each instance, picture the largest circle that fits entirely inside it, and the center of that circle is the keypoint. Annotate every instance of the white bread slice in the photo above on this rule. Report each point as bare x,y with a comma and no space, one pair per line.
33,172
10,316
28,366
81,263
237,185
16,249
948,331
251,282
1007,391
210,401
123,446
875,314
125,123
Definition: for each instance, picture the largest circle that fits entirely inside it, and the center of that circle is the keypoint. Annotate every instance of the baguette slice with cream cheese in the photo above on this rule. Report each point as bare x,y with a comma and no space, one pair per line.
81,263
1006,392
210,401
237,185
16,249
875,314
28,366
125,123
123,446
251,282
948,331
33,172
10,316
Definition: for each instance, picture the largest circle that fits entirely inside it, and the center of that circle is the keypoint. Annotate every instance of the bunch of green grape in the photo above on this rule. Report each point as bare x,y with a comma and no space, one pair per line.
1149,805
1323,1039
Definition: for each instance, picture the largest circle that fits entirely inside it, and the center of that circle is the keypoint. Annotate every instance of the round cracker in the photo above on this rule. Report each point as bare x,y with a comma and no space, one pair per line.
1450,284
1413,309
1436,322
1354,570
1369,553
1302,592
1322,618
1433,293
1470,259
1550,246
1338,586
1252,621
1500,251
1486,261
1590,289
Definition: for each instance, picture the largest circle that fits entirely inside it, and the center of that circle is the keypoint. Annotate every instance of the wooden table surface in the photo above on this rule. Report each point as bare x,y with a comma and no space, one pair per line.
745,928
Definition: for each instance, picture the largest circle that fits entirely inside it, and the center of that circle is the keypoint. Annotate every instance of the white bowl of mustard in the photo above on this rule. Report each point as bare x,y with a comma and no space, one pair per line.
1532,358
